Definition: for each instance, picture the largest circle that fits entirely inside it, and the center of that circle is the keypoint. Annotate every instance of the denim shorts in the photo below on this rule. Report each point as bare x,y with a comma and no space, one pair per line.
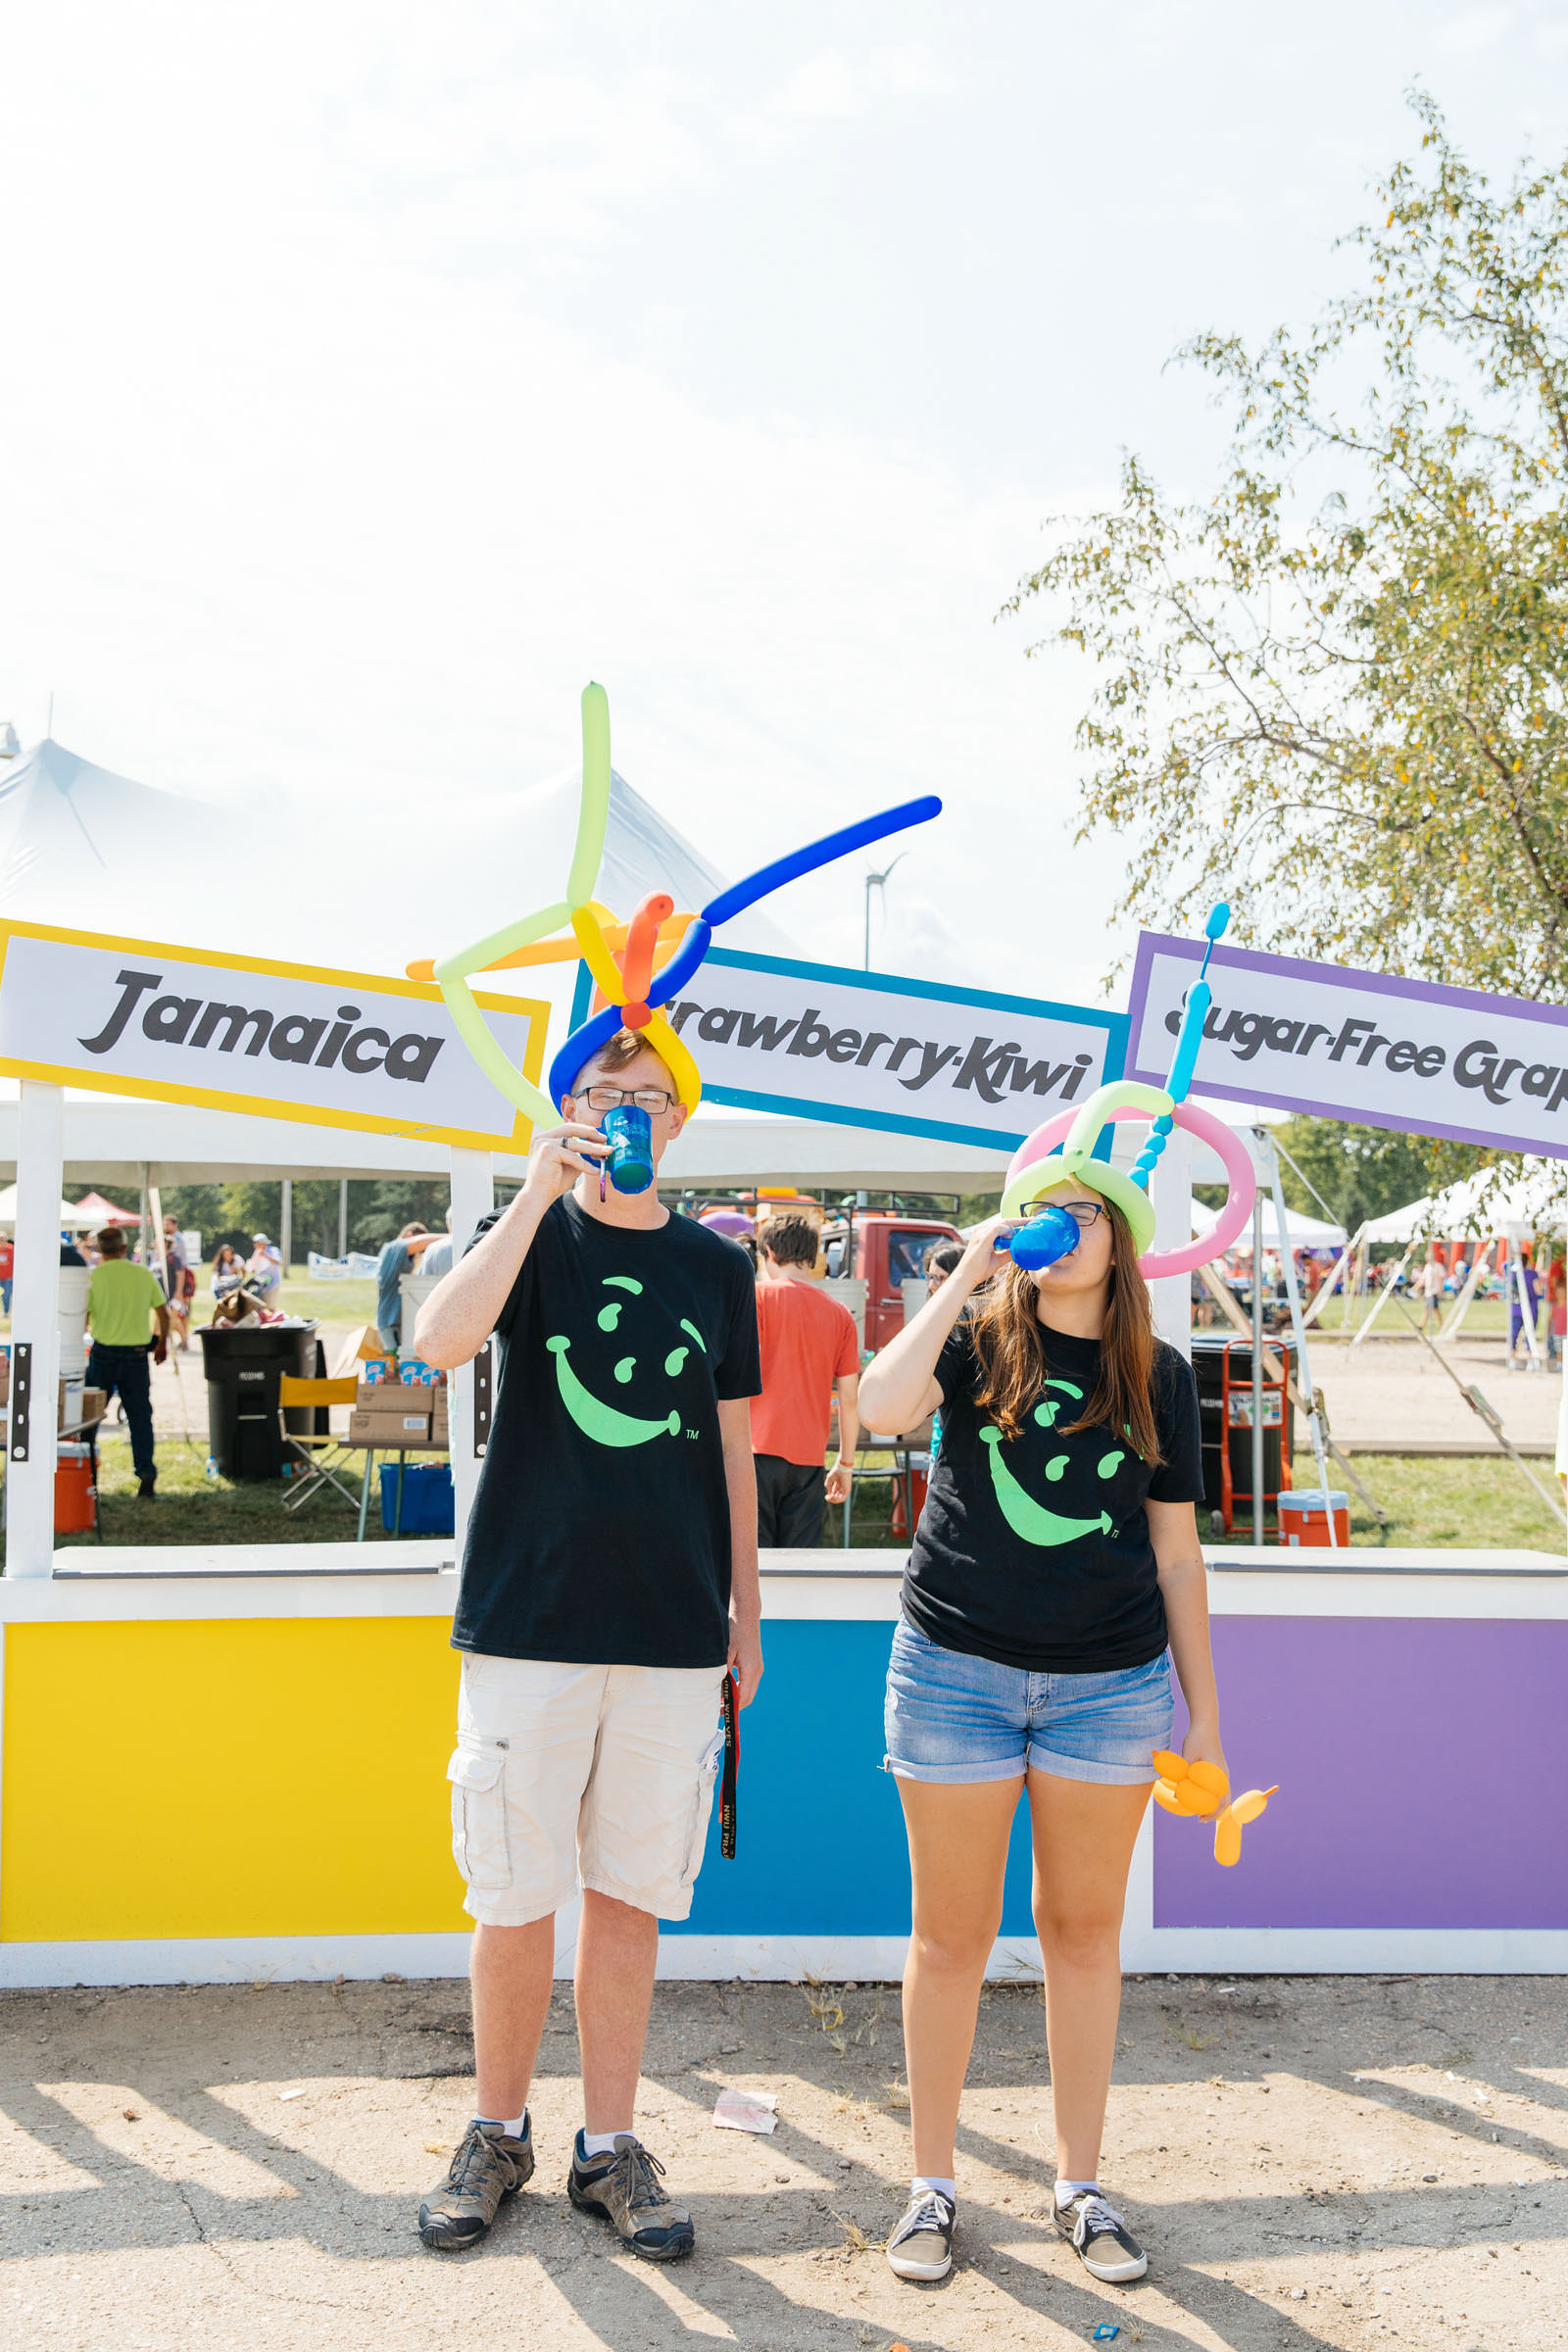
951,1716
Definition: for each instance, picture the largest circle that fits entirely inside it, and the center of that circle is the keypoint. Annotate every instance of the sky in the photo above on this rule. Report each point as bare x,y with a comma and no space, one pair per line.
374,377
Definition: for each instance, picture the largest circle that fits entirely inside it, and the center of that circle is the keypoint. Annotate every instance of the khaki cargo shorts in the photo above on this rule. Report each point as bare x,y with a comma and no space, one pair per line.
573,1776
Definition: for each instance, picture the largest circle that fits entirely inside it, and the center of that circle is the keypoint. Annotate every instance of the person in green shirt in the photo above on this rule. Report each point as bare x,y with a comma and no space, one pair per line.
121,1298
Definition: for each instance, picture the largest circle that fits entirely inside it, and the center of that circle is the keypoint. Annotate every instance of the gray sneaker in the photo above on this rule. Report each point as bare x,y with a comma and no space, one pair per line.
624,2190
1101,2239
487,2166
921,2246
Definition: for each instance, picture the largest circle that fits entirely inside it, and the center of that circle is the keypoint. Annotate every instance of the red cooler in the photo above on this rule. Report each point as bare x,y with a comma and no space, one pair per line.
75,1502
1304,1517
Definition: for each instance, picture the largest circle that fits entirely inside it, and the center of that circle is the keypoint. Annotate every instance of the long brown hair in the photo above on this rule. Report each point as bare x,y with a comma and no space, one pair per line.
1012,1346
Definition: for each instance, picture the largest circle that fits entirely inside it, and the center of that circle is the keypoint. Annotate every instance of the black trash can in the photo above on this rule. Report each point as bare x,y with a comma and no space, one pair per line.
244,1363
1208,1351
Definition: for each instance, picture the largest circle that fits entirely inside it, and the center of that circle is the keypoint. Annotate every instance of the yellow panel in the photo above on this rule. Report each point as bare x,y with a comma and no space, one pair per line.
230,1777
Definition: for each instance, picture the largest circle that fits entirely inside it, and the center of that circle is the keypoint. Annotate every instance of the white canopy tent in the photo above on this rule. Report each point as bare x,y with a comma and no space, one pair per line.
72,1218
1473,1207
1307,1233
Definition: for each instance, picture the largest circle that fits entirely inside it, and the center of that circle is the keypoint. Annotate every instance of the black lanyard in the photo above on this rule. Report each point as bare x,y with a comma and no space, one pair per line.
732,1765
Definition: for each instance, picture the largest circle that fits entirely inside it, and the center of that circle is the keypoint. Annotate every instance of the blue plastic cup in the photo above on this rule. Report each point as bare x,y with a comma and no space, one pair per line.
631,1149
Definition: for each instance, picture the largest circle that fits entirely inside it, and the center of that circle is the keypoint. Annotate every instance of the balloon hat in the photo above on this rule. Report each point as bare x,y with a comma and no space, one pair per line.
1063,1151
623,959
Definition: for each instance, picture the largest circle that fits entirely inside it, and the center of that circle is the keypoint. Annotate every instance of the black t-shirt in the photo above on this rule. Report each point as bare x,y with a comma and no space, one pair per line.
600,1530
1035,1552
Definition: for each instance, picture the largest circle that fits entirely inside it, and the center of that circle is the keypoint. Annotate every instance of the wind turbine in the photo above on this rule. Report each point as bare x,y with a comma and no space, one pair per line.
877,882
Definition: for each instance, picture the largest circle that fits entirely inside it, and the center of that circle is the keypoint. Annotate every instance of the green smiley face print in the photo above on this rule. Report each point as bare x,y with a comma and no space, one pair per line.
598,1416
1030,1519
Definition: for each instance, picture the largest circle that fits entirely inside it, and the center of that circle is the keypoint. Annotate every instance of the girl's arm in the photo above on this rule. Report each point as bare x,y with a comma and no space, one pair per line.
1184,1588
899,1387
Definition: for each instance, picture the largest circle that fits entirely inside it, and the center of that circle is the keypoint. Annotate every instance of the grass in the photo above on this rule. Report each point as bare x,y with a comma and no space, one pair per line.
1463,1504
192,1508
1485,1318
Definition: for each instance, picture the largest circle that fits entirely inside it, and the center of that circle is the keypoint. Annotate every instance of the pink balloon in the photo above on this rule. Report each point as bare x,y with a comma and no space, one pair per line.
1239,1175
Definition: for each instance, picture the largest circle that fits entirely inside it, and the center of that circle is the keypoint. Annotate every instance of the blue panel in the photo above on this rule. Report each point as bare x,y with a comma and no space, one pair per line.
820,1845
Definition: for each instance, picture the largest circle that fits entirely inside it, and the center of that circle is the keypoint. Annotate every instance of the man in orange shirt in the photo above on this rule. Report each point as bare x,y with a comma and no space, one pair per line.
809,1346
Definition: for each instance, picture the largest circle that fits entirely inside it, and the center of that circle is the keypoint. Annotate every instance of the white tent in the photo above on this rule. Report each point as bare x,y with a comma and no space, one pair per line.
1473,1207
88,850
82,846
71,1217
1307,1233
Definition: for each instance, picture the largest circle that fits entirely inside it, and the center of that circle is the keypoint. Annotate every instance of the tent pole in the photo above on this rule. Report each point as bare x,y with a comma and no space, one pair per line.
1325,1290
1315,1419
342,1216
1472,1283
1258,1511
285,1226
1170,1192
1383,1296
35,1326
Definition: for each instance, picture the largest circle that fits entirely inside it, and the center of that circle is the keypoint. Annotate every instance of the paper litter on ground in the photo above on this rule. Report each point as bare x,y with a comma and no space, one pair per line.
747,2111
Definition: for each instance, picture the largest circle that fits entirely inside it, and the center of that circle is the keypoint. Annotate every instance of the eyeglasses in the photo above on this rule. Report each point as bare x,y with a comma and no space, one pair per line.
651,1098
1082,1213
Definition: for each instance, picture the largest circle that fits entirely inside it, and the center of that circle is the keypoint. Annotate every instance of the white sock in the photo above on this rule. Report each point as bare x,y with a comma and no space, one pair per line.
944,2188
1066,2190
600,2143
514,2127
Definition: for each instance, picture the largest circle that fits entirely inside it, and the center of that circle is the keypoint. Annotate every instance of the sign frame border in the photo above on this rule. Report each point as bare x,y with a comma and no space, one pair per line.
1115,1024
107,1082
1388,984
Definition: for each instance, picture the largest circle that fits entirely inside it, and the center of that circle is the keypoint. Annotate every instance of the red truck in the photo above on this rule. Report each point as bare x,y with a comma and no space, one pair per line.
884,1253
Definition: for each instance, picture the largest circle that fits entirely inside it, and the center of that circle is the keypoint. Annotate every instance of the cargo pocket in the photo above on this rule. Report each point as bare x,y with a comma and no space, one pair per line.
708,1772
479,1845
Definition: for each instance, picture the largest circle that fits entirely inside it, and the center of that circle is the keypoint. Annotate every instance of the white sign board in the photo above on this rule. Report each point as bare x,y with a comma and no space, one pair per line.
332,1048
918,1058
1359,1046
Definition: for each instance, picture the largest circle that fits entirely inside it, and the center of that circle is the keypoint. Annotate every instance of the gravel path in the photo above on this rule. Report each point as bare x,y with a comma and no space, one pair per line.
1311,2162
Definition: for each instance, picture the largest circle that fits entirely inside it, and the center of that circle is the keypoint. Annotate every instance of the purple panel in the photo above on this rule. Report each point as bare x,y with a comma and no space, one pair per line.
1419,1762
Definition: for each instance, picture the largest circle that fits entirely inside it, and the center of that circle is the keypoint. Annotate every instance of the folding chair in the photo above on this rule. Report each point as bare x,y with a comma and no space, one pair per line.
318,1458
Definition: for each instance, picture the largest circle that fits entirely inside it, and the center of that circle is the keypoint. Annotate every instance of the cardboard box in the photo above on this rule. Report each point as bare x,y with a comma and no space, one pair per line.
389,1430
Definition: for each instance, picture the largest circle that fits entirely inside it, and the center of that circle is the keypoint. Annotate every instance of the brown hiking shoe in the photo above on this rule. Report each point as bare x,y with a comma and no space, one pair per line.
487,2166
624,2188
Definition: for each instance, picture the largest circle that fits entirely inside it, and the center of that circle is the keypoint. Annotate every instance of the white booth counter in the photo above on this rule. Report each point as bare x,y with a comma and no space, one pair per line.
218,1766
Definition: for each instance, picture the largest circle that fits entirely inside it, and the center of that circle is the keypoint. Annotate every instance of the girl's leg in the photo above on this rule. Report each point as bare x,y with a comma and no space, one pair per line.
957,1854
1084,1833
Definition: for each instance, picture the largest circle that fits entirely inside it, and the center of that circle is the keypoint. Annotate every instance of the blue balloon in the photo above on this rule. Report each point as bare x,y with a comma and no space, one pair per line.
580,1047
741,895
682,965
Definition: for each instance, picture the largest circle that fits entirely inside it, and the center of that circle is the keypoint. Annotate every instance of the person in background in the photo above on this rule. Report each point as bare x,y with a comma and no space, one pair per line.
437,1259
178,1272
70,1254
939,1260
8,1259
1433,1276
1556,1306
228,1270
121,1297
398,1257
809,1346
1529,1282
265,1271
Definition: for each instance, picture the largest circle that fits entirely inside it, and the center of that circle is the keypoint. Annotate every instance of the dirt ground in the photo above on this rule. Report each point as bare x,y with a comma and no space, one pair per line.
1345,2161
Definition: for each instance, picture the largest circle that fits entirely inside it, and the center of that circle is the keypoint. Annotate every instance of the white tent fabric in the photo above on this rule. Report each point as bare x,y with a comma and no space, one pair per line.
80,846
71,1217
88,850
1537,1203
1307,1233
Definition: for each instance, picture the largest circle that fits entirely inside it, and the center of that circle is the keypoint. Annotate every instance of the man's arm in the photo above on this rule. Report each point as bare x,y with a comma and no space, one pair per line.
847,1385
745,1588
161,1344
463,1309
